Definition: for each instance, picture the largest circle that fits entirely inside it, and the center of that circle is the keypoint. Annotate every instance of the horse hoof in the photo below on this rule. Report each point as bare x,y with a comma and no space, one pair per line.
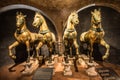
13,57
104,57
39,58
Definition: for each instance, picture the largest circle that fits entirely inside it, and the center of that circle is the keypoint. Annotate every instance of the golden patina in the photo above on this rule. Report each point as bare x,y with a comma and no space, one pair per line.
48,36
70,34
22,35
95,34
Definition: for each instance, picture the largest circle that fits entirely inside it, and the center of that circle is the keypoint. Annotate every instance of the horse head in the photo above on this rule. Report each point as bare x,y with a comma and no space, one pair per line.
20,19
96,16
74,18
38,20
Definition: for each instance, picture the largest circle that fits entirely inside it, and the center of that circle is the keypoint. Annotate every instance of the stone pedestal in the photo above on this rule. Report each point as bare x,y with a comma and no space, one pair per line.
71,59
30,67
50,64
82,63
91,71
67,69
55,58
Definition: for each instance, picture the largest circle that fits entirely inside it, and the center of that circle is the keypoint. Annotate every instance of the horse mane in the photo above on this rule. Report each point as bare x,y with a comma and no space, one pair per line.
44,23
69,17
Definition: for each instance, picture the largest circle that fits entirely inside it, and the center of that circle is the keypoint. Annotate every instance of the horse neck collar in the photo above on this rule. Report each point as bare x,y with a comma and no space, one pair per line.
20,31
70,30
99,29
43,31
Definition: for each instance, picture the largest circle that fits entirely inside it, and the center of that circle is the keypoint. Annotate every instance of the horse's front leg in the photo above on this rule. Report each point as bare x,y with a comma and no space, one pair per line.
77,53
66,49
76,46
37,49
50,47
10,49
28,50
102,42
91,51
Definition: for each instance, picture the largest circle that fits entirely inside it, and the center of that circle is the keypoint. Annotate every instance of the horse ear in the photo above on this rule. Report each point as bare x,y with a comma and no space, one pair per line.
36,12
92,13
17,13
21,13
95,10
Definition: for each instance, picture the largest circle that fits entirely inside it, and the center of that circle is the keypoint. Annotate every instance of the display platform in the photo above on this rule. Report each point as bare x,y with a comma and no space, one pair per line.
80,75
43,74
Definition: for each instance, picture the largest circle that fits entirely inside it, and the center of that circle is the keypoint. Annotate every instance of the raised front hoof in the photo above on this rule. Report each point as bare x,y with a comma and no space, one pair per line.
104,57
12,56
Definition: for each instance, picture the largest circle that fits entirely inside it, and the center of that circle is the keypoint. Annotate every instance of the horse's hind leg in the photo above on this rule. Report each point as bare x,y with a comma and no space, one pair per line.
28,50
76,46
102,42
77,53
10,49
37,49
90,52
90,55
50,47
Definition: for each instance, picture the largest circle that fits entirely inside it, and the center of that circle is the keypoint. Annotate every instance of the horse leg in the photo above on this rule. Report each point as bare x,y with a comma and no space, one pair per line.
71,52
75,64
66,50
40,44
28,50
76,57
91,51
50,49
76,46
102,42
10,49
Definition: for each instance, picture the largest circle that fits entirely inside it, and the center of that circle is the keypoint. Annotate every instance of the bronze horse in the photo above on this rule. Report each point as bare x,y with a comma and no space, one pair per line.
95,34
22,36
70,34
48,37
70,38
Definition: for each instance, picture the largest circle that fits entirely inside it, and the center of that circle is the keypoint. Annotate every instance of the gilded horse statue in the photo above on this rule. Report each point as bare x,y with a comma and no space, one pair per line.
70,38
70,34
22,36
48,37
95,34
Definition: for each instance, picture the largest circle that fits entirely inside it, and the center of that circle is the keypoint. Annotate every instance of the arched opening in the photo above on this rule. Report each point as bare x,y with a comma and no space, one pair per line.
111,26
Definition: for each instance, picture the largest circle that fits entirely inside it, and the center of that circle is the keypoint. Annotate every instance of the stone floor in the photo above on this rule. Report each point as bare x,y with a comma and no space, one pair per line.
80,75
